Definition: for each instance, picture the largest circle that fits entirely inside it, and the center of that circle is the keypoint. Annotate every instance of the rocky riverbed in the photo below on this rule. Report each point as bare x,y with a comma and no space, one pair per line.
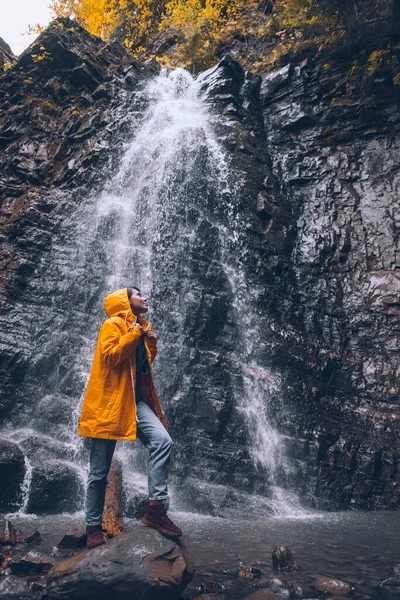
344,555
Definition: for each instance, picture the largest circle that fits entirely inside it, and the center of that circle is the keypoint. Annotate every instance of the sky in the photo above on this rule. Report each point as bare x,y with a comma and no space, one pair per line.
16,15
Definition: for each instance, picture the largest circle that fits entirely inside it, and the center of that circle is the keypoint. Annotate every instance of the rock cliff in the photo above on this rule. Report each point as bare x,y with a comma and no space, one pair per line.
6,54
318,171
336,159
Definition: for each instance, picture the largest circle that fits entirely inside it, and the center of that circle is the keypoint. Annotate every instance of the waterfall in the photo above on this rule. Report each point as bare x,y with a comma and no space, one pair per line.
171,222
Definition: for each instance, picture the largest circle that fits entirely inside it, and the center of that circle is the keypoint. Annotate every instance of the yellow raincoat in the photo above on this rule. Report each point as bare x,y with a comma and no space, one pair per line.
109,407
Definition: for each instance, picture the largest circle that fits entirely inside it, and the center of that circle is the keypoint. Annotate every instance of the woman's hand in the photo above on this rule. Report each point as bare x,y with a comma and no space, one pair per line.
151,336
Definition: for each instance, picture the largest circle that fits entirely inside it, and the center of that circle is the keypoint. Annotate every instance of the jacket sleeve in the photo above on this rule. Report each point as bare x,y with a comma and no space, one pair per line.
116,348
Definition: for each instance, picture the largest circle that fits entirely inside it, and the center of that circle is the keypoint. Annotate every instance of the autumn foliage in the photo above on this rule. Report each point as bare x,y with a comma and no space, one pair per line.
196,33
200,23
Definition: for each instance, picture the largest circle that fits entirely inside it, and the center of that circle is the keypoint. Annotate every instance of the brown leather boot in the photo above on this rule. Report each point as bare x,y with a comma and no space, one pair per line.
156,516
94,536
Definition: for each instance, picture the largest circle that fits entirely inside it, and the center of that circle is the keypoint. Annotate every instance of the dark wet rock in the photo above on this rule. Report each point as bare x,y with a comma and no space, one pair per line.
12,587
211,586
32,538
62,553
331,586
299,584
141,563
261,583
281,587
52,129
55,488
54,409
393,583
223,82
8,533
164,41
273,82
37,589
152,65
72,539
134,503
284,560
6,54
204,499
217,500
12,472
345,456
295,116
39,447
337,452
31,564
248,572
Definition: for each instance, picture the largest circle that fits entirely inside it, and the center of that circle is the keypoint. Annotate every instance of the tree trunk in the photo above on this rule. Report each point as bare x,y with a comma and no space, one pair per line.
112,514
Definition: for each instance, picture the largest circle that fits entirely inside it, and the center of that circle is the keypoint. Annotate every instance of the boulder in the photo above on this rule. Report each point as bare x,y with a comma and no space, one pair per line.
135,503
248,572
73,538
54,409
393,583
141,564
331,585
12,587
281,587
210,586
39,448
12,472
284,560
31,564
55,488
8,533
33,538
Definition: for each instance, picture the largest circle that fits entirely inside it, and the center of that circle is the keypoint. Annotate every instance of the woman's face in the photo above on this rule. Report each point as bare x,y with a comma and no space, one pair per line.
138,303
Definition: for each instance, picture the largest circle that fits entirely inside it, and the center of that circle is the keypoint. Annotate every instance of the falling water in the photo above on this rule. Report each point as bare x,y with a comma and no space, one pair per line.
174,186
150,214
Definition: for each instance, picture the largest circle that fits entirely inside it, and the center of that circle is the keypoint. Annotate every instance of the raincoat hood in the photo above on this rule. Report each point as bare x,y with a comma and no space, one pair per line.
117,304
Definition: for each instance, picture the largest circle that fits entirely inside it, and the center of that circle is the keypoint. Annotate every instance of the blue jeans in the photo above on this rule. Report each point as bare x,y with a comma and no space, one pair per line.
152,433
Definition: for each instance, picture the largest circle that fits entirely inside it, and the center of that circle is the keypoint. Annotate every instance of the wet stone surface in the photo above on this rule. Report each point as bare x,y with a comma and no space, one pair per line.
55,488
343,555
12,472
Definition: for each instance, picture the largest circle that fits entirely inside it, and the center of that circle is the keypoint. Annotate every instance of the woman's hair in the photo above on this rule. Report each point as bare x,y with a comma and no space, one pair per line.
130,290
